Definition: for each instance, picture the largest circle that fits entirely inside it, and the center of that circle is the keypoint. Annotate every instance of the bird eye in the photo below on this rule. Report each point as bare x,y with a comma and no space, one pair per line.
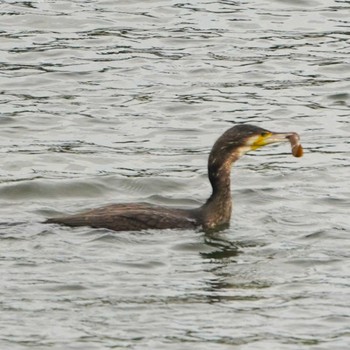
264,133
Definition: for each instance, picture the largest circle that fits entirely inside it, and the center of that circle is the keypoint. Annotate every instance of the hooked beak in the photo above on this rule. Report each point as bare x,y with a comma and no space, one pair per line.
272,137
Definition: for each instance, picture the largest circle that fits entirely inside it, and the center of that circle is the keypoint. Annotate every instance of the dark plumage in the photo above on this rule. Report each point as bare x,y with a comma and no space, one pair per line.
214,214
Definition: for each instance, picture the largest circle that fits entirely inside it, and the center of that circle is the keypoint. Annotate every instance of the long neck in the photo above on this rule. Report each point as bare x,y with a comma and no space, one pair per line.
217,210
220,180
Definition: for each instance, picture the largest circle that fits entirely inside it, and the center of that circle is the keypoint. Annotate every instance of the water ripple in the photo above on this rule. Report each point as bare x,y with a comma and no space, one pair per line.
116,102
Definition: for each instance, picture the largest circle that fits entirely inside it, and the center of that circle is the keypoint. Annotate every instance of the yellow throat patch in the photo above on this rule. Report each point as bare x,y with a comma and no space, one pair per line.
260,141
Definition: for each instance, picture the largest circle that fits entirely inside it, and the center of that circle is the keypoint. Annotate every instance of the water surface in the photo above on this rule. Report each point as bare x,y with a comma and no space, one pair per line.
105,101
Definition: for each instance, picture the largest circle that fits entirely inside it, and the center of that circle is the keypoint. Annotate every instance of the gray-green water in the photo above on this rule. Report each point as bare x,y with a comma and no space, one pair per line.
117,101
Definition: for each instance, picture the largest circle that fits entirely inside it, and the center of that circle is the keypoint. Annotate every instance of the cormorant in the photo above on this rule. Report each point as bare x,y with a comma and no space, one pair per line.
213,215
